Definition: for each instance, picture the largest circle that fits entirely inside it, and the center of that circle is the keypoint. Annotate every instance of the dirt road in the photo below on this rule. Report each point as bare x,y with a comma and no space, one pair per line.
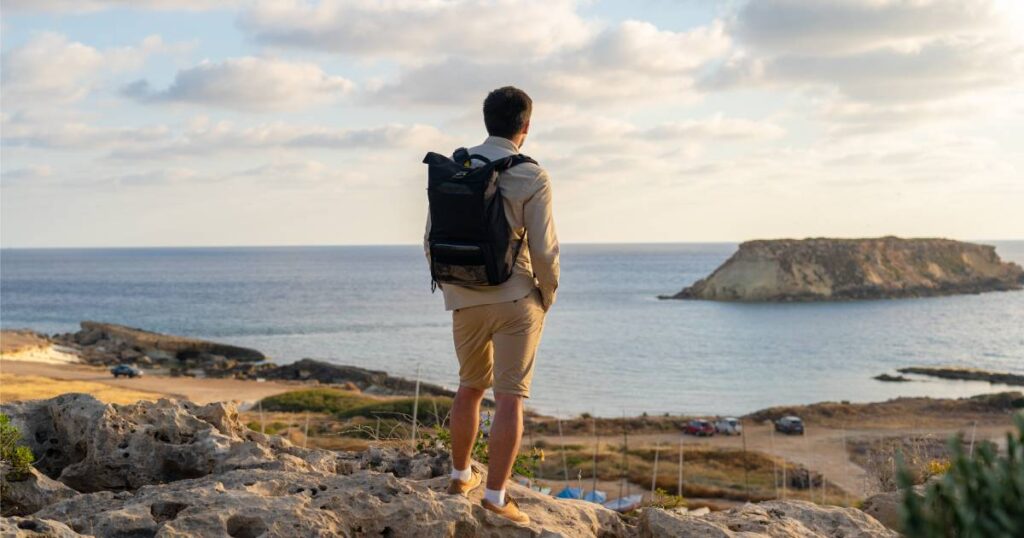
199,390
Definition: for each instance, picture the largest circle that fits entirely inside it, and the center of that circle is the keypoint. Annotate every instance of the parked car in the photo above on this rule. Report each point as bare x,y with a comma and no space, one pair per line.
126,370
729,426
790,425
699,427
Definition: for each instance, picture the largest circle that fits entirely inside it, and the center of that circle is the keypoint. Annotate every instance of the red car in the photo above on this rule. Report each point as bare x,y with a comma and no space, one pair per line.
699,427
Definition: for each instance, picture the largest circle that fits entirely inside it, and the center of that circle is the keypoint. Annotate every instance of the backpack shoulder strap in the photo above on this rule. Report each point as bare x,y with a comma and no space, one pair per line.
512,160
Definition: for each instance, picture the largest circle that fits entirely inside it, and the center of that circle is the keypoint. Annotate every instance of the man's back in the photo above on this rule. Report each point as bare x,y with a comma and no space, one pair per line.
526,190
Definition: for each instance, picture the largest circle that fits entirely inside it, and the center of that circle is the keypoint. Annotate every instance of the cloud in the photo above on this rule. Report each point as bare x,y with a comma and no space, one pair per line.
201,136
50,69
888,63
85,6
28,174
631,61
247,83
418,30
845,26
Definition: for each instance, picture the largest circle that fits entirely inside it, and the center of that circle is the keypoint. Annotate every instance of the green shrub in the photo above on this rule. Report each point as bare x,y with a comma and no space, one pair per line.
322,400
12,452
981,496
431,410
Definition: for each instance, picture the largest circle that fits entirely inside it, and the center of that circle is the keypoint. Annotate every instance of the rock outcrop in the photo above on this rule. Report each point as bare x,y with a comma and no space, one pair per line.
177,469
369,381
109,344
838,269
770,518
968,374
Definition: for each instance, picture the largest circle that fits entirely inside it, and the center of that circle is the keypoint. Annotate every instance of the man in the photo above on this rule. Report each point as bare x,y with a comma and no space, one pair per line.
497,328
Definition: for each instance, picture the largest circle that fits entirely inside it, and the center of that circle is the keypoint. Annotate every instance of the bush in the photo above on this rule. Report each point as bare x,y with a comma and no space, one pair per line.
18,456
431,410
323,400
980,496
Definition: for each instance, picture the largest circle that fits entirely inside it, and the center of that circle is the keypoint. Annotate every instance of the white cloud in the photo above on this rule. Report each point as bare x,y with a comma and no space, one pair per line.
50,69
844,26
201,136
882,63
28,174
631,61
417,29
84,6
248,83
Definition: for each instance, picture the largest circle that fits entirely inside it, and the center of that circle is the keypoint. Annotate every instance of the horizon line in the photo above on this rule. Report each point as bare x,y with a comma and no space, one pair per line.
329,245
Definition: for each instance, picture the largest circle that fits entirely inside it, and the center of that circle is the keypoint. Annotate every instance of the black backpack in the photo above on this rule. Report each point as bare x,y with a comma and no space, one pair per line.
470,240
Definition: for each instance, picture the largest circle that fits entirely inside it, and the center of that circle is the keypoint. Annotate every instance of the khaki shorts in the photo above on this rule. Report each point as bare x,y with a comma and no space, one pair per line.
497,343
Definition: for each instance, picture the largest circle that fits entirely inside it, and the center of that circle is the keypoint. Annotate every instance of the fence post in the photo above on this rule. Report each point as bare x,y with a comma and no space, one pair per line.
679,486
263,428
775,466
654,474
746,468
415,408
561,444
305,435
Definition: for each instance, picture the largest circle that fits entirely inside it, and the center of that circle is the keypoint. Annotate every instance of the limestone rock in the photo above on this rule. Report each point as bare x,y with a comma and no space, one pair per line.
26,496
775,519
92,446
281,503
32,527
837,269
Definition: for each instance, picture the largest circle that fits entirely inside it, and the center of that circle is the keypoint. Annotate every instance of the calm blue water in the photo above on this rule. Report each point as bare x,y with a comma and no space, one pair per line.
609,345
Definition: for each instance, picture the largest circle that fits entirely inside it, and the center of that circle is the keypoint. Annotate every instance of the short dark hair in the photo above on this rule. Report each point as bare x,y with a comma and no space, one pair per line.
506,111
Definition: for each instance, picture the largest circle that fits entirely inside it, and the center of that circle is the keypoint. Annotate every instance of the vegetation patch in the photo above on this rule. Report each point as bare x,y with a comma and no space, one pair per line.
319,400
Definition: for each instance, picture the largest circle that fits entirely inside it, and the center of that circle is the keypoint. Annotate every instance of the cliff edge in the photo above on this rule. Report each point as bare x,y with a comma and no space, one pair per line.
823,269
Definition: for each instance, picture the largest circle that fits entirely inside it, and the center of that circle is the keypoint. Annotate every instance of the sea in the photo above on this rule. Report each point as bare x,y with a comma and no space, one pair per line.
610,346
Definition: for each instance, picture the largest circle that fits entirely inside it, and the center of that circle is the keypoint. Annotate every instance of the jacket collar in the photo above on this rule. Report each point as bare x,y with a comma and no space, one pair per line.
502,142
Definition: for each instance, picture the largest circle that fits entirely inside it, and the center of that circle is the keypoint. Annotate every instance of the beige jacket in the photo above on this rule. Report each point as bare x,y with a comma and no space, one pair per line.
527,192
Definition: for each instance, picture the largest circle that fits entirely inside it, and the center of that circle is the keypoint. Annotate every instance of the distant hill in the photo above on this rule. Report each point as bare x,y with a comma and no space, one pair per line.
823,269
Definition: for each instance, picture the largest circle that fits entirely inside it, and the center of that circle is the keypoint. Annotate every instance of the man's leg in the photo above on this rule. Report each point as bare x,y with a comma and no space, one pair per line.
506,433
465,421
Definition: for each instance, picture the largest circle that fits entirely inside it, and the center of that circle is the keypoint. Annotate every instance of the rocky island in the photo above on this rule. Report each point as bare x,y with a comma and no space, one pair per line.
823,269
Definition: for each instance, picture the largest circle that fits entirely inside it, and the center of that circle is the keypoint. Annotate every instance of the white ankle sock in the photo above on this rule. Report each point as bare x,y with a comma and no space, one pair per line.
495,496
464,475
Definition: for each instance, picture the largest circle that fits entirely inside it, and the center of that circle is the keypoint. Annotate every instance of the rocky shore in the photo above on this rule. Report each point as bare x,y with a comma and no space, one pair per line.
822,269
108,344
967,374
172,468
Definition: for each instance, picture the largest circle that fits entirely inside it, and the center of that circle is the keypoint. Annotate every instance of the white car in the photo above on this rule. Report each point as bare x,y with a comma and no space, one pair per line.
729,426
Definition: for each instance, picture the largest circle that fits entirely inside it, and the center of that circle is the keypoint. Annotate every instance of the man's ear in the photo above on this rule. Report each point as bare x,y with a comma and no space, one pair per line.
526,128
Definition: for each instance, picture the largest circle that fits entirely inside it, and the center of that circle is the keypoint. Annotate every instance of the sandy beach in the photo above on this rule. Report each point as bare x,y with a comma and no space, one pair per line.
199,390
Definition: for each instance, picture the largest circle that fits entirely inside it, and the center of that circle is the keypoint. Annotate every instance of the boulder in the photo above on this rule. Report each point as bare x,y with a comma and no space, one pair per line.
30,494
767,519
33,527
92,446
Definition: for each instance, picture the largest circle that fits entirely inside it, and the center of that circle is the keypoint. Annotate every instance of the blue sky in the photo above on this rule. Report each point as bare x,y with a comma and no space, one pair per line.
270,122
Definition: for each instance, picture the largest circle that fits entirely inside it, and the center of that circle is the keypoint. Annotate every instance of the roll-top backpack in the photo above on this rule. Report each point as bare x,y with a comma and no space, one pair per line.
470,240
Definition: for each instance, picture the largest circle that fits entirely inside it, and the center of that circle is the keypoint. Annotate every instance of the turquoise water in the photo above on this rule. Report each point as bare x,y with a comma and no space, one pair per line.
609,345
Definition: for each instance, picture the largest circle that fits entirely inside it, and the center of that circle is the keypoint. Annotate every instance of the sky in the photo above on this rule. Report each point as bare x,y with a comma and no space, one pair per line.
304,122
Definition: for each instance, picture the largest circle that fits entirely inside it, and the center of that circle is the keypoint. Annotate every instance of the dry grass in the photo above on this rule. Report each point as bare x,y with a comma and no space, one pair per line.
30,387
14,341
902,412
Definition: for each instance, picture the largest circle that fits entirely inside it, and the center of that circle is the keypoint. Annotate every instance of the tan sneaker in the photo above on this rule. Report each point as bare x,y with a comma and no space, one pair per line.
509,511
458,487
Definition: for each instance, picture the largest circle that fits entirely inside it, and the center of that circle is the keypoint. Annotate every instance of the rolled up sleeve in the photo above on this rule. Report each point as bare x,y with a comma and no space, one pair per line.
542,240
